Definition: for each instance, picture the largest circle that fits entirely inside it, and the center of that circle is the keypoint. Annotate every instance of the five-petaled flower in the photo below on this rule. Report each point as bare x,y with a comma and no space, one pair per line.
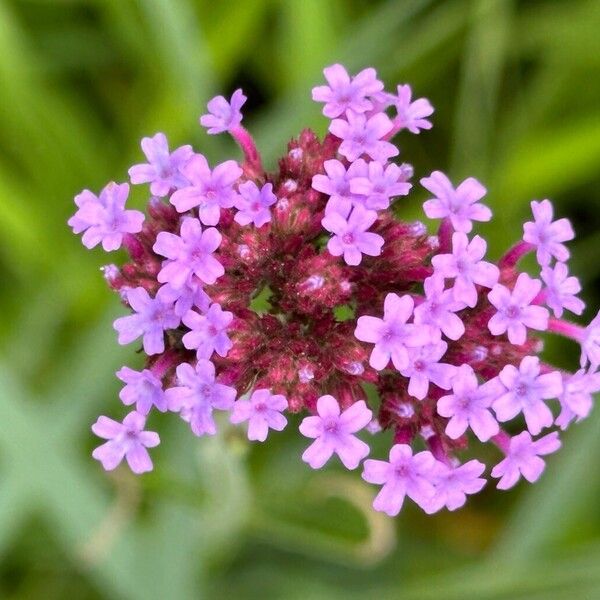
208,332
223,115
262,411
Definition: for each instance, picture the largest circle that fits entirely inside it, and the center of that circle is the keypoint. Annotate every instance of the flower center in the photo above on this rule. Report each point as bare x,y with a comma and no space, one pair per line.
513,312
212,330
348,238
331,426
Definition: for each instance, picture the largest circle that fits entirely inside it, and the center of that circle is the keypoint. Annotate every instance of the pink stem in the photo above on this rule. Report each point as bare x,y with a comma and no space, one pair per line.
438,451
566,329
502,440
133,246
445,236
164,362
514,255
397,122
253,165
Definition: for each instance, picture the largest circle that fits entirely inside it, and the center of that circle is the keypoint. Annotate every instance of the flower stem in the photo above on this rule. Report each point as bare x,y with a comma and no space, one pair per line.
566,329
514,255
253,165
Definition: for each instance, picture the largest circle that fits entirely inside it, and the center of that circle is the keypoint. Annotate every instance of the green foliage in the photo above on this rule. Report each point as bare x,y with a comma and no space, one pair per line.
517,92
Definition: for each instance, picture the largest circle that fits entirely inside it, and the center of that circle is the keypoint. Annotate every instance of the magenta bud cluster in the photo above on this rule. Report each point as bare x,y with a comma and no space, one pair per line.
351,295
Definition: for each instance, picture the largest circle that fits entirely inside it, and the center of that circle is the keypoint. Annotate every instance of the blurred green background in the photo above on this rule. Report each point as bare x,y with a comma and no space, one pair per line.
516,86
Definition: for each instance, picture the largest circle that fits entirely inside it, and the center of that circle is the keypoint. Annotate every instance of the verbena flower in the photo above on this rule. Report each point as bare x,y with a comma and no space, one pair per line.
447,337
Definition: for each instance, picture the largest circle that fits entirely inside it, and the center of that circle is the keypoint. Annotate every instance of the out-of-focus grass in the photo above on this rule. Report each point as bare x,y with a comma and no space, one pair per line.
516,87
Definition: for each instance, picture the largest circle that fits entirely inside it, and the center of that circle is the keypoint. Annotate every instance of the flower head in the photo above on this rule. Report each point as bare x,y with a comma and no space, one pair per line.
547,235
333,432
162,170
393,335
350,236
404,475
143,389
345,93
466,267
380,185
104,219
209,190
515,312
223,115
208,332
198,394
253,204
336,182
411,114
525,391
460,205
262,411
469,405
125,440
523,458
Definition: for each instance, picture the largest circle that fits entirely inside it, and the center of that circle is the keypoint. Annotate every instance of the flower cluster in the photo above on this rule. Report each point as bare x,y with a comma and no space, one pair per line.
446,336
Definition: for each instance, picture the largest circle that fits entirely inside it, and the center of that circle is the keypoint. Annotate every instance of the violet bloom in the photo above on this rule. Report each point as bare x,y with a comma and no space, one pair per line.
350,236
262,411
460,205
561,290
547,235
438,309
590,344
515,313
153,316
404,475
198,394
143,389
336,182
525,391
208,332
452,484
333,433
189,253
466,266
209,190
424,368
344,93
162,168
381,184
223,115
392,335
411,115
125,440
523,458
103,219
253,204
361,135
469,405
191,295
576,399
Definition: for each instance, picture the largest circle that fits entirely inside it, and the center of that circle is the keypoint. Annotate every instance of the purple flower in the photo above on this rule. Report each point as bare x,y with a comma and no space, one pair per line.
189,253
381,184
253,203
452,484
438,309
350,236
576,399
162,168
460,205
361,135
515,313
333,433
208,332
523,458
525,391
222,115
411,115
208,190
392,335
344,93
143,389
262,411
336,182
469,405
125,440
198,394
404,475
153,316
547,236
424,367
466,267
191,295
104,218
590,344
561,289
